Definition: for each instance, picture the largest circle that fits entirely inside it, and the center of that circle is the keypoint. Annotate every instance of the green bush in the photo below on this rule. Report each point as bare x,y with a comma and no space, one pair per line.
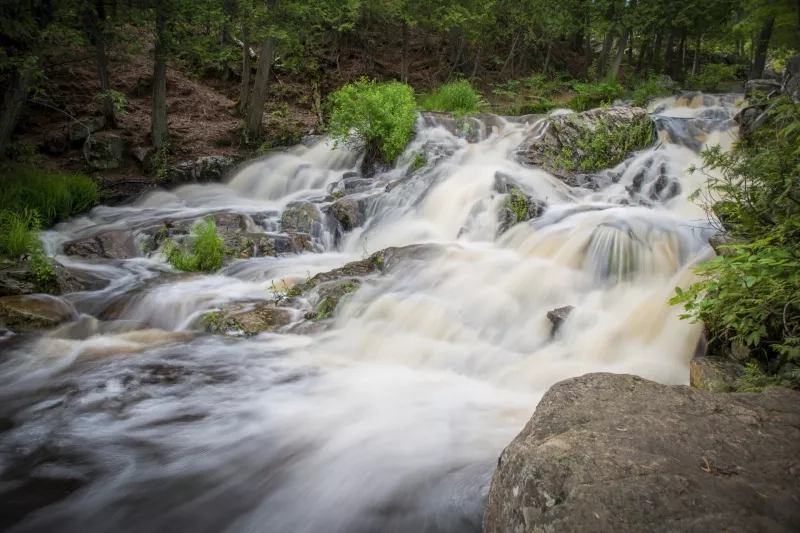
207,250
54,196
712,76
366,114
457,98
646,90
751,293
18,232
591,95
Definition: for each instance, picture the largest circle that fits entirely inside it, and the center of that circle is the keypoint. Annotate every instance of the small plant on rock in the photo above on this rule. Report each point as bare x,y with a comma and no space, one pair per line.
207,250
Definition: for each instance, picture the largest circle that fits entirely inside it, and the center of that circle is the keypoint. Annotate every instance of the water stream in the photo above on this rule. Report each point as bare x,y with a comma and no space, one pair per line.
392,419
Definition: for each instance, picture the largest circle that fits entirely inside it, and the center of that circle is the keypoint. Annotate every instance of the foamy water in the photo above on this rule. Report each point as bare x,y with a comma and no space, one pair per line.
393,419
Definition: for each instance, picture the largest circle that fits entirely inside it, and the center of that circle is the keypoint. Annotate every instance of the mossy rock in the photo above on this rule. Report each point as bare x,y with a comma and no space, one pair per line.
302,217
248,319
34,313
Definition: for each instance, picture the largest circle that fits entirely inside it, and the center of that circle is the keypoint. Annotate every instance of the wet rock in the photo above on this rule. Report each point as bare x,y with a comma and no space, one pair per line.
557,148
80,131
331,294
559,316
105,245
391,258
518,207
33,313
762,87
18,278
714,374
248,319
302,217
104,151
720,242
349,212
617,453
212,168
144,155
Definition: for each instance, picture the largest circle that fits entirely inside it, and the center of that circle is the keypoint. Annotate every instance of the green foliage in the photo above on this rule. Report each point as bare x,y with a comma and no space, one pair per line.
755,380
647,90
42,267
368,113
18,232
23,152
751,293
519,205
712,76
160,164
457,98
606,146
207,250
54,196
118,100
591,95
419,161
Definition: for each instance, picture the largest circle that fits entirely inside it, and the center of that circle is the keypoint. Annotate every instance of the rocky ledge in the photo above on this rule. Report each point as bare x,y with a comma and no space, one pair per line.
618,453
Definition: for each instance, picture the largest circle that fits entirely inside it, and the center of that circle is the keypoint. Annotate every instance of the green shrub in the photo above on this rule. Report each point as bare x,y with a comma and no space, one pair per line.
751,293
591,95
18,232
712,76
647,90
367,113
23,152
457,98
54,196
207,250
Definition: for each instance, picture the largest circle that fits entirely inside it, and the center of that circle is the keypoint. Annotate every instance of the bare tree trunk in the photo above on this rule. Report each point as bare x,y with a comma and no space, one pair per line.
643,50
14,99
510,54
404,59
158,125
621,44
475,64
548,56
655,57
244,92
670,53
97,23
762,47
630,49
601,61
677,59
228,8
696,63
682,64
587,52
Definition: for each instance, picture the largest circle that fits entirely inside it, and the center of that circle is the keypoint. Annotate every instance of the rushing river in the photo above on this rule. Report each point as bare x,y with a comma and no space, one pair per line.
392,419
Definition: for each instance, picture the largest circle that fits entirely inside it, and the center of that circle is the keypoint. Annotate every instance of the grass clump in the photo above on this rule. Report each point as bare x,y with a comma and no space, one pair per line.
457,98
605,145
367,113
207,250
591,95
712,76
54,196
750,295
18,232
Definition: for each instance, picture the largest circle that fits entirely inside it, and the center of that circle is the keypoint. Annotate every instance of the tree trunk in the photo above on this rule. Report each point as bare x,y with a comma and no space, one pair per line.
760,60
475,64
510,54
655,57
14,99
547,57
158,125
680,56
669,55
228,8
259,94
630,49
622,42
97,25
404,59
696,63
244,93
643,50
601,61
587,52
577,41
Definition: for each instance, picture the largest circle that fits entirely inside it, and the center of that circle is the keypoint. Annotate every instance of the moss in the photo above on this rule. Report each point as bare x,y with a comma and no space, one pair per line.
519,204
326,307
419,161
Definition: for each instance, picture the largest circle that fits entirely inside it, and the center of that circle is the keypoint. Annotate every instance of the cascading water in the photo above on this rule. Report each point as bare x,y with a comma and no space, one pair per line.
393,419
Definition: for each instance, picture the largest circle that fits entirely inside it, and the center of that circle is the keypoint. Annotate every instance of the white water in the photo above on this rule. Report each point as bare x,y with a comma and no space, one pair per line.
392,420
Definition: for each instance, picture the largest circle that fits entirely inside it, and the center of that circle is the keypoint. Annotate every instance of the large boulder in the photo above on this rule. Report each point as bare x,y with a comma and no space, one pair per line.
104,151
19,278
80,130
762,87
105,245
350,212
617,453
248,319
715,374
33,313
302,217
212,168
565,143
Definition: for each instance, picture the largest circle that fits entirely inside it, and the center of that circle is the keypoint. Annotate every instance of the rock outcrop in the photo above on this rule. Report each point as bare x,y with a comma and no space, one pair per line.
18,278
105,245
32,313
212,168
563,143
617,453
104,151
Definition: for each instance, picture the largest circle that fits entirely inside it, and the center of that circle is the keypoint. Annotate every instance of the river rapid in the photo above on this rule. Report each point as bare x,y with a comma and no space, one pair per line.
390,420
